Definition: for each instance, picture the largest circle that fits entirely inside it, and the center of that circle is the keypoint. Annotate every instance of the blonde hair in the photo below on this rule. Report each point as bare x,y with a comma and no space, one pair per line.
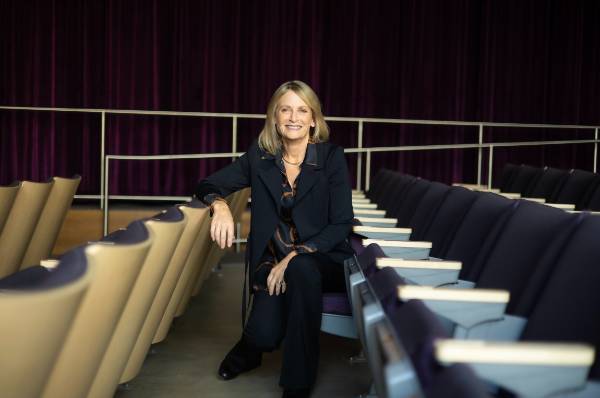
269,139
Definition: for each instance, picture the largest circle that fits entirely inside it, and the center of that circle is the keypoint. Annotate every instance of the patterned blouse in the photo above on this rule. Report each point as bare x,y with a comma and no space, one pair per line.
285,238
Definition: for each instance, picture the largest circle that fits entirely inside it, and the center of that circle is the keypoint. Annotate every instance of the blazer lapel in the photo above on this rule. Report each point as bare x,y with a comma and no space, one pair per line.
308,175
271,176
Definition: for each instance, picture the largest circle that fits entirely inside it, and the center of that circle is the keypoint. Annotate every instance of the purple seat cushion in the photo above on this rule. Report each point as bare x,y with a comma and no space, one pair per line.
336,303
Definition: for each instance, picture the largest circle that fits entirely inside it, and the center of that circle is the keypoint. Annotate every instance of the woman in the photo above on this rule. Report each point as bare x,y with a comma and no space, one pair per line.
301,217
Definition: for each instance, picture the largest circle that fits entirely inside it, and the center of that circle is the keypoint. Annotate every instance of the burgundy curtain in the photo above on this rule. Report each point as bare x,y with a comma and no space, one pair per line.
509,61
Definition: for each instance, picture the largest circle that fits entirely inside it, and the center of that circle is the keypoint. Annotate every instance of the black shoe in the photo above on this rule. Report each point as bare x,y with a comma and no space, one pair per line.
240,359
296,393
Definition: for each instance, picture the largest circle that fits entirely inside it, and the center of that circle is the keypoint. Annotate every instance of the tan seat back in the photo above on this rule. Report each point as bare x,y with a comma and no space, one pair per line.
50,221
20,224
166,236
197,260
116,268
194,217
33,327
7,198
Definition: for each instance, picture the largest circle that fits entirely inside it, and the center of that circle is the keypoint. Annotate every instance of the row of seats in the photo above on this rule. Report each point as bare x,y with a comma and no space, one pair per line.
31,215
440,294
577,187
81,325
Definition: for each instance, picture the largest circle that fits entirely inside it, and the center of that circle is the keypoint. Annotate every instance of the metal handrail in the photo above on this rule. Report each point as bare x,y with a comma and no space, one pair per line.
360,150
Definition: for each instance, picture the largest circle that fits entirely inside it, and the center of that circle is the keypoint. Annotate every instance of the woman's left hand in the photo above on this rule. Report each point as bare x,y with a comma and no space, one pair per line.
275,281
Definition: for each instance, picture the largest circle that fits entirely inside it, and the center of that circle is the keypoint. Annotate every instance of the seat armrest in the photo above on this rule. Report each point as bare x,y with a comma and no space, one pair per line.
368,213
525,368
537,200
385,233
371,206
360,200
410,250
49,263
564,206
377,221
465,307
423,272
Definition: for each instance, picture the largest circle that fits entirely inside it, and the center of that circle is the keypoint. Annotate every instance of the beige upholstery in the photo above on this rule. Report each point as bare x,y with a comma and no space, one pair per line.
197,260
20,224
180,283
215,253
166,236
50,221
115,269
7,198
165,291
33,326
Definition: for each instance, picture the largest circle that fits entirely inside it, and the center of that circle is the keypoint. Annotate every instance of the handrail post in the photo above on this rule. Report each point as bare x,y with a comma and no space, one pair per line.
368,171
234,136
359,157
596,150
102,153
490,162
105,197
480,154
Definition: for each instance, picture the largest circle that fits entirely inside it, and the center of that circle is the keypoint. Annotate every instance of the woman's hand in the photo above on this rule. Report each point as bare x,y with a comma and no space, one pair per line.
275,281
221,226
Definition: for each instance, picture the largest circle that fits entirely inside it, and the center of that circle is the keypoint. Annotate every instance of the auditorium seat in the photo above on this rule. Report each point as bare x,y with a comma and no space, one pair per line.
37,308
404,205
8,194
573,190
239,201
115,265
197,213
508,173
550,180
20,224
51,220
165,230
523,179
395,193
447,220
487,211
426,209
158,310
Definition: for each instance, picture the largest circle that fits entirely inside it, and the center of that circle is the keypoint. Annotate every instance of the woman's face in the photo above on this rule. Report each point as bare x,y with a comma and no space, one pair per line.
293,117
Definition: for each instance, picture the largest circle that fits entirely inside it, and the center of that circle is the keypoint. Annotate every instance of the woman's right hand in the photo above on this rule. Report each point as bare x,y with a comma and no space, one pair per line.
221,226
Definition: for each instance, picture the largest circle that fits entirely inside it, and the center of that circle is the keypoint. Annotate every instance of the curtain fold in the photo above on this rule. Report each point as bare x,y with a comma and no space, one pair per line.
512,61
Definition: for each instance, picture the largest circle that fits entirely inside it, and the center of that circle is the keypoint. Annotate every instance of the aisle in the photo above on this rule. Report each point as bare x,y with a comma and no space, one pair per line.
185,364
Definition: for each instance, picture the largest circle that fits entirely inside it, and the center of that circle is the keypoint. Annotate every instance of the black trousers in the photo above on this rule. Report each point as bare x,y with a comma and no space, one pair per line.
295,317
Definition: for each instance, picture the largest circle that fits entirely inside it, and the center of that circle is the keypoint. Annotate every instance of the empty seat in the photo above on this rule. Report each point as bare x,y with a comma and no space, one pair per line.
487,210
7,197
406,204
448,218
50,221
37,308
524,178
20,224
115,266
427,208
165,229
508,173
567,307
577,183
194,215
550,181
394,192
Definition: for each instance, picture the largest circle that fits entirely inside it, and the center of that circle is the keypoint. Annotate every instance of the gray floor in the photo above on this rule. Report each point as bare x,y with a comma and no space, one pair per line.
185,364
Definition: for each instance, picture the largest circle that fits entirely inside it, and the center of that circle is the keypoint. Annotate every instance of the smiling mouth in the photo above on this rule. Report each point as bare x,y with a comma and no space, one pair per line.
292,127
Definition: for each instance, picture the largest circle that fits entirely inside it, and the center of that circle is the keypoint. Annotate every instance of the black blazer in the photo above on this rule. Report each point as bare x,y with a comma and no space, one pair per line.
322,211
